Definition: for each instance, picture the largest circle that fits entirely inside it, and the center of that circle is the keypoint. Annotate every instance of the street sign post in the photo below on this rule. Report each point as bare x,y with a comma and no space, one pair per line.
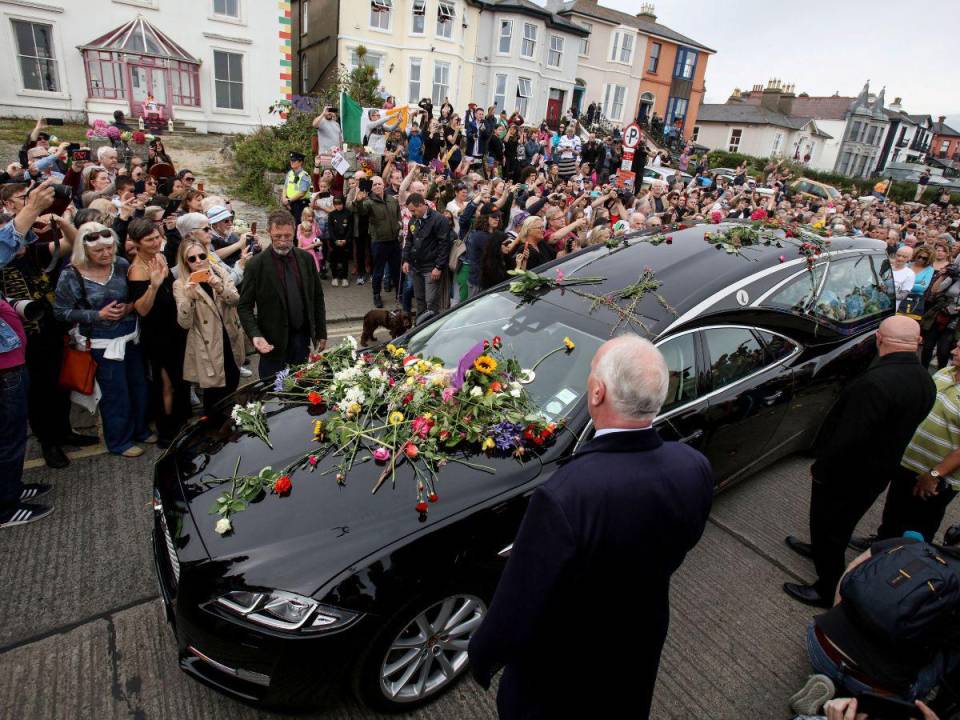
631,136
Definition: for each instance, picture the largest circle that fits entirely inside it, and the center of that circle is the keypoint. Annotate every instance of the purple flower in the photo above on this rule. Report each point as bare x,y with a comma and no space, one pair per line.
278,381
466,362
506,435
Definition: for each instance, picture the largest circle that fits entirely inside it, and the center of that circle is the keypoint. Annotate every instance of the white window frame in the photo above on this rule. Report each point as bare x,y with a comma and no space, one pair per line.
555,41
500,91
777,143
418,9
619,45
23,89
243,83
414,97
532,39
385,11
438,97
304,74
610,101
523,100
446,19
584,49
508,24
731,146
304,16
224,15
368,60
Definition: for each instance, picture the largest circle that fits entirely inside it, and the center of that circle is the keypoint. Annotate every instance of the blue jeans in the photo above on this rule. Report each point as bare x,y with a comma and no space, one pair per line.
384,254
927,678
13,434
125,397
406,296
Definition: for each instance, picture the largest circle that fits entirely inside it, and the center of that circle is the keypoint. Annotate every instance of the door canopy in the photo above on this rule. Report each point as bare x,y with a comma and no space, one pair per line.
139,37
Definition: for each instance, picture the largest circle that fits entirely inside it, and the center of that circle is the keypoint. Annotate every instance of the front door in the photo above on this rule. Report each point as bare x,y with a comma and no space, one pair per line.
553,113
146,80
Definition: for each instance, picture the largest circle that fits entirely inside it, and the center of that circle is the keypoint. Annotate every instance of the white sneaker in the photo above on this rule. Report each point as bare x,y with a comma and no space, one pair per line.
360,280
245,372
336,282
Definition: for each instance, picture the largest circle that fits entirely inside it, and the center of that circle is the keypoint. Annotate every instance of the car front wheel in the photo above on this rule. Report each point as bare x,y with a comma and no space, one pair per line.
420,653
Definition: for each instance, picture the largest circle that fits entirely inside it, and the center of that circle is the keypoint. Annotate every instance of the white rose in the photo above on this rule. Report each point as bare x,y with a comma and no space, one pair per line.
476,391
223,526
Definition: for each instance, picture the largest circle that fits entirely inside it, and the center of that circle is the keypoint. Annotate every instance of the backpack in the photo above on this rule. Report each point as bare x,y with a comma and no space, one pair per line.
908,596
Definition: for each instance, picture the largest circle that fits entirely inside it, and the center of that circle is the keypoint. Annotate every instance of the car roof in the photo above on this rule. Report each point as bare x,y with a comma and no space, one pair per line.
696,278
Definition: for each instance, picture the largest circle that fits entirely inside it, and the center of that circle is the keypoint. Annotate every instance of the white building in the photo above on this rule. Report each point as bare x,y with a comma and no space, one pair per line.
908,139
526,60
215,65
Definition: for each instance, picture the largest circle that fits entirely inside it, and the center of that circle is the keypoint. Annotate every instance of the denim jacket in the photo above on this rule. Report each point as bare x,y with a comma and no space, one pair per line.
66,307
10,243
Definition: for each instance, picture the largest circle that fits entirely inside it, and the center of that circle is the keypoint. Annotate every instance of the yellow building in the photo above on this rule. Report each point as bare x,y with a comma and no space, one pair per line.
420,48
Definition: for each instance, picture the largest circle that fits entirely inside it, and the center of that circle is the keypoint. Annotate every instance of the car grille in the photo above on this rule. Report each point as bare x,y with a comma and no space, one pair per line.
167,540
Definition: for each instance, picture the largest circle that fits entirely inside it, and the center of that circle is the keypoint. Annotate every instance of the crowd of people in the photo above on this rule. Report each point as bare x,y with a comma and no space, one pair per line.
155,278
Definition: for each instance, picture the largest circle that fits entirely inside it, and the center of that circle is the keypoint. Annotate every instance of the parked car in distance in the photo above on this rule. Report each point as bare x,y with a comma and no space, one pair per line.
658,172
336,588
813,189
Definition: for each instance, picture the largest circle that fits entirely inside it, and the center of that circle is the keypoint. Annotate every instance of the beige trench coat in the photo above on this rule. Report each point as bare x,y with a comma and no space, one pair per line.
201,318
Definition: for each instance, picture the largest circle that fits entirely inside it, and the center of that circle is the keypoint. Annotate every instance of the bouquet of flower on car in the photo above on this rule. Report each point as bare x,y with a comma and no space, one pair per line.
396,408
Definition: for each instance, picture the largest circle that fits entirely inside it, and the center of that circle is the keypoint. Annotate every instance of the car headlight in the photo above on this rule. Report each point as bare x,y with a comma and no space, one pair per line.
283,610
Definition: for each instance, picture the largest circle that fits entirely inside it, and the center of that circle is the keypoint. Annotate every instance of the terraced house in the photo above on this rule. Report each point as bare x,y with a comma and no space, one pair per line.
633,66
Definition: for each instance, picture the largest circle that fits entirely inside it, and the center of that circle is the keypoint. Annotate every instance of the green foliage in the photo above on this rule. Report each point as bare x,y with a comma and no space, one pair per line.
267,150
362,83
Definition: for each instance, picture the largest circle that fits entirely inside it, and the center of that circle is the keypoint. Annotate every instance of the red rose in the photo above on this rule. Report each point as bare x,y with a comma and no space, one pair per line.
421,507
497,342
312,460
486,343
433,497
682,226
788,234
538,440
282,485
298,374
411,450
669,239
314,398
407,399
444,434
496,387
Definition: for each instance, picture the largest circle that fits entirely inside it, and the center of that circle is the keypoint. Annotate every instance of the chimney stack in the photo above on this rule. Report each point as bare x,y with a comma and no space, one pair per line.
647,12
941,119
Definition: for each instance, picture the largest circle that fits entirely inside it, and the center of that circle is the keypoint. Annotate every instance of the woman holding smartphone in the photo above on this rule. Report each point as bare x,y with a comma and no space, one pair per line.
151,292
207,300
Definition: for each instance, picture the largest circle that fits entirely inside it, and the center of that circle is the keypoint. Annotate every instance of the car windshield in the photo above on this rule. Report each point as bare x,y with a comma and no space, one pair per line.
529,332
832,192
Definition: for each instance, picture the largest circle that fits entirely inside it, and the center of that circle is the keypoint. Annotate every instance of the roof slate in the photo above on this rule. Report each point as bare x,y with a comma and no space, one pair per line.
752,115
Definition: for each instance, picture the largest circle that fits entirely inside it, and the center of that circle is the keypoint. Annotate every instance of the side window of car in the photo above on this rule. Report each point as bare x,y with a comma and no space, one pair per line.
682,367
798,293
734,354
802,187
818,191
853,290
650,173
777,346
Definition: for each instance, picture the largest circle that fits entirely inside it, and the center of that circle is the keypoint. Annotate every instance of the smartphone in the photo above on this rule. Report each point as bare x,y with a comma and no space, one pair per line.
80,156
200,276
200,186
53,121
253,228
366,185
884,707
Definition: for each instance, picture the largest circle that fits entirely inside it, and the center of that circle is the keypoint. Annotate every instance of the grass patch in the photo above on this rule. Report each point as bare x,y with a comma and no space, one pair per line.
15,130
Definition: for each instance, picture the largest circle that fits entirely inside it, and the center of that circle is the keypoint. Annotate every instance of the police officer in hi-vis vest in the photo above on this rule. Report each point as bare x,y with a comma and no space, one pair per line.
296,189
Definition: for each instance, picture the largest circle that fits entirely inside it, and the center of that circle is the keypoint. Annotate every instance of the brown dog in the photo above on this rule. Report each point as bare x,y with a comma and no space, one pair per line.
396,321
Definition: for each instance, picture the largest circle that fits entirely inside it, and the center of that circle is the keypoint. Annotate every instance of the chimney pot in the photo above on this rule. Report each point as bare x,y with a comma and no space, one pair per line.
941,118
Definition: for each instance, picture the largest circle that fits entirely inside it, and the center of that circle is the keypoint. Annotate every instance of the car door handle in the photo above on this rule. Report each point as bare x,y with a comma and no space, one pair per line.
695,435
771,399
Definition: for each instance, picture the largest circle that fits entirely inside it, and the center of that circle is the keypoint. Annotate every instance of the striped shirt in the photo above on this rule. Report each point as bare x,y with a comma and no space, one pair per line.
939,434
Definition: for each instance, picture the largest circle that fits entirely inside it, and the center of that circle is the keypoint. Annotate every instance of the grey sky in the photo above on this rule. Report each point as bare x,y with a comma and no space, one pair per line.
823,46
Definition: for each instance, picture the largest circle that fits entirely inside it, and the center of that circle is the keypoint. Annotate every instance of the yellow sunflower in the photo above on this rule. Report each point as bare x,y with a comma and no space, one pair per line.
485,364
396,418
569,343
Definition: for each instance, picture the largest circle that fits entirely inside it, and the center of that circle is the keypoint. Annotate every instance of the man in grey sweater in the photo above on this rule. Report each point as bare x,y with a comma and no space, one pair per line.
328,131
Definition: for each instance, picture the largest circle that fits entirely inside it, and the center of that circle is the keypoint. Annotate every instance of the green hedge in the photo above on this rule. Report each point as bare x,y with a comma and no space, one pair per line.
900,191
268,150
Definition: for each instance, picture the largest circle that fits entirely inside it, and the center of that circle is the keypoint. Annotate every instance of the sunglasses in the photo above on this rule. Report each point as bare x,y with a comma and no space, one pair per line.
196,258
205,228
97,236
188,179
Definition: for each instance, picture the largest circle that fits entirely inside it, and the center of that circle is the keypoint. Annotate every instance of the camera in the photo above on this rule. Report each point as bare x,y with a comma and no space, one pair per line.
29,310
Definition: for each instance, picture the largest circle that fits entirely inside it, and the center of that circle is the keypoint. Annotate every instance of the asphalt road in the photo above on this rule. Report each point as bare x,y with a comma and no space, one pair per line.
82,633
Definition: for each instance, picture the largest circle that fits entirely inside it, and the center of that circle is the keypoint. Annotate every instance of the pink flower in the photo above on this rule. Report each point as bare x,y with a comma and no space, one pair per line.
716,216
381,454
448,394
758,214
783,258
421,426
559,275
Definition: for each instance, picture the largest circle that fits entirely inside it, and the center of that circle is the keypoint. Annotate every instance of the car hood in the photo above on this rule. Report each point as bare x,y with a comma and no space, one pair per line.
301,541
